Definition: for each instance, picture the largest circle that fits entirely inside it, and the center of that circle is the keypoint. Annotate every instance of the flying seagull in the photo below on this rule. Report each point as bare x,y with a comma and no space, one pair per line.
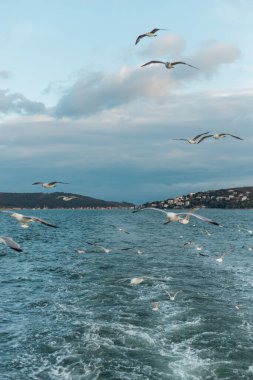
191,243
66,198
194,140
208,233
49,185
152,33
136,281
171,295
106,250
176,217
221,258
244,229
24,220
80,250
155,306
169,65
120,229
10,243
218,136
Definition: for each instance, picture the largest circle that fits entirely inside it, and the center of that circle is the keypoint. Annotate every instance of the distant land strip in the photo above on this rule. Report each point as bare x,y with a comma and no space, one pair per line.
235,198
56,201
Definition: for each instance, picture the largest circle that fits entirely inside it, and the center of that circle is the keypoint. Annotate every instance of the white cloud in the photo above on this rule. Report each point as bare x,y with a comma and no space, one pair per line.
100,91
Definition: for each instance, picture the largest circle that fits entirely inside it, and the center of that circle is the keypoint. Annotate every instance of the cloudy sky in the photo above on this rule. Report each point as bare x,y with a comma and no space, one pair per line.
75,106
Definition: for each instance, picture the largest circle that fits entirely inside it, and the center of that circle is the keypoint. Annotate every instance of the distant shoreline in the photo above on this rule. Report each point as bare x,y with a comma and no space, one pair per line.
115,208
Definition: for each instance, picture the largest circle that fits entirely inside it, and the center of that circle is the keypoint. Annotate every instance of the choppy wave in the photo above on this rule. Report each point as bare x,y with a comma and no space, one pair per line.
71,316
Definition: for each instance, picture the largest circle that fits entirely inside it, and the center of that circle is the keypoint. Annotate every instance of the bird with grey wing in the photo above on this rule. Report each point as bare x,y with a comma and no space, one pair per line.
24,220
10,243
169,65
49,185
152,33
194,140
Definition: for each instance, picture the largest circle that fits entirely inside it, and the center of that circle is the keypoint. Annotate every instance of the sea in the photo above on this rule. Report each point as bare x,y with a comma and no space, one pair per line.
68,310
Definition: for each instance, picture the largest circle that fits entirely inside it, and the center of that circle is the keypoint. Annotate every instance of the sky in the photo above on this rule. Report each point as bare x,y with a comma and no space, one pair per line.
76,105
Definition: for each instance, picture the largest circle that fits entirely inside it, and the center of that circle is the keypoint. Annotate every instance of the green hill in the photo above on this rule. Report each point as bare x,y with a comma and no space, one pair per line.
52,200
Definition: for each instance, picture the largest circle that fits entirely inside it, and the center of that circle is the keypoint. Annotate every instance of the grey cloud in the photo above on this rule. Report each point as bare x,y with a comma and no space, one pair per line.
137,158
215,54
18,103
101,91
4,74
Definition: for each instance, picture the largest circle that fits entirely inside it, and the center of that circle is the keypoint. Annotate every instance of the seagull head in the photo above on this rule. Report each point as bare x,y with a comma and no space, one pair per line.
15,215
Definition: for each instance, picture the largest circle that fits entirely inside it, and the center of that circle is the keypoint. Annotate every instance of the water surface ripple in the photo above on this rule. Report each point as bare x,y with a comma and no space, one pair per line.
71,315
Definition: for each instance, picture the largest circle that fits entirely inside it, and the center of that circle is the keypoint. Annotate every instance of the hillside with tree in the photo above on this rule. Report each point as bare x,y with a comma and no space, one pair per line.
237,198
55,200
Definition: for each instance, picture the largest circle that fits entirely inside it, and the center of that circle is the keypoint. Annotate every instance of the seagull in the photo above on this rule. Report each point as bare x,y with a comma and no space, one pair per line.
155,306
191,243
202,254
198,247
221,258
194,140
245,229
10,243
49,185
120,229
218,136
136,281
66,198
186,219
106,250
237,306
187,244
221,135
24,220
81,251
171,295
152,33
208,233
175,217
169,65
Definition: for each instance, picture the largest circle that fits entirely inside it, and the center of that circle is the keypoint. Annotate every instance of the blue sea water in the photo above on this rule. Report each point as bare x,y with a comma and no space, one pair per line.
71,315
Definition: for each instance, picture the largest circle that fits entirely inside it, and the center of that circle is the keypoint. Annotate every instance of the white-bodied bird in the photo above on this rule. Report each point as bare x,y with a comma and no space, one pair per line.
194,140
176,217
169,65
66,198
24,220
152,33
49,185
218,136
171,295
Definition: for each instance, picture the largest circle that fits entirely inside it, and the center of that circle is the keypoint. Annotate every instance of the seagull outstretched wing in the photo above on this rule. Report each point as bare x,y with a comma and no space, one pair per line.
150,62
203,138
229,134
35,219
183,63
10,243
